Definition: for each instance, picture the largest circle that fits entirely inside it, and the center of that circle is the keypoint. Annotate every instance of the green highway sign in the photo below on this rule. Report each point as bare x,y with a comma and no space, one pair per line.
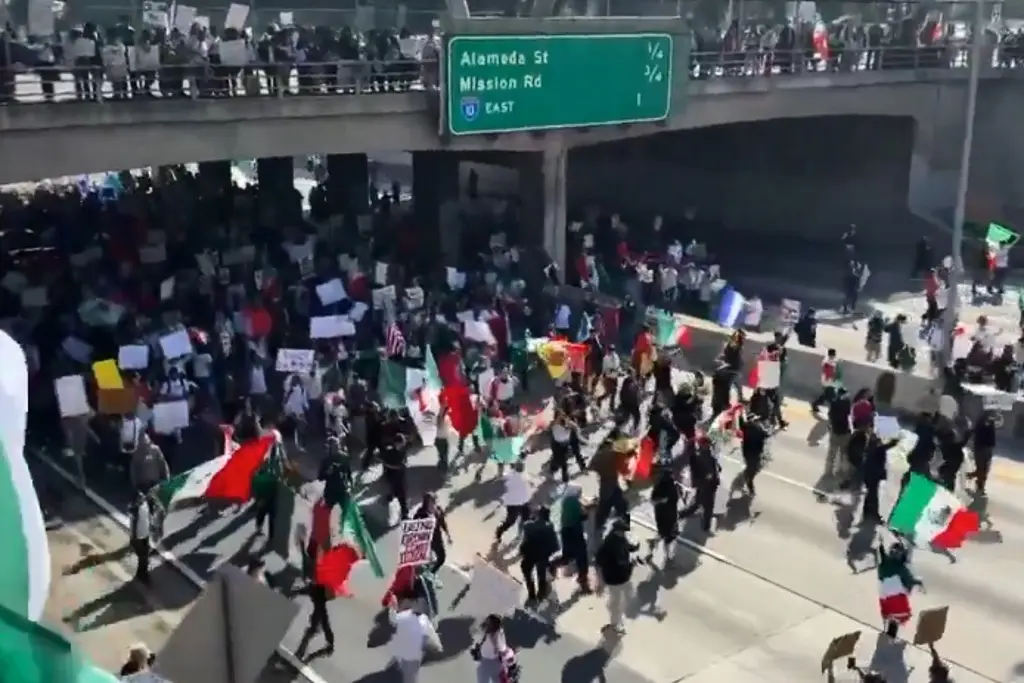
503,84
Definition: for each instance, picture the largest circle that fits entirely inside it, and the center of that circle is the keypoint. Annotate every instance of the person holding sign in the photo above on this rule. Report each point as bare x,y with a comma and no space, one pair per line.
429,508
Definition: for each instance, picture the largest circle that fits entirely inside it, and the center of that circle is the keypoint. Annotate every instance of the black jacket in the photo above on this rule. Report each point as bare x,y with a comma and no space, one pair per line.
613,559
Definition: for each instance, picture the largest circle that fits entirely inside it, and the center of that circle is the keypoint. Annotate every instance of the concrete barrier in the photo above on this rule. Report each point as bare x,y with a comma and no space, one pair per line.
900,393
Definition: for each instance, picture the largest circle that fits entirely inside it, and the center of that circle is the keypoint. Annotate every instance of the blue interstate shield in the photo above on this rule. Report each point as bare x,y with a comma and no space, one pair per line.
470,108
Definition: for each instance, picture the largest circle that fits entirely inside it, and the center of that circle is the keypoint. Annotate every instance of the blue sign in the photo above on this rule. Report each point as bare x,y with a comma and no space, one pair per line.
470,108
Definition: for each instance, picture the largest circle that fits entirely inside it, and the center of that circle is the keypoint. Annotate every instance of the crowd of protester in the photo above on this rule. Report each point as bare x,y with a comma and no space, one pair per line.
198,59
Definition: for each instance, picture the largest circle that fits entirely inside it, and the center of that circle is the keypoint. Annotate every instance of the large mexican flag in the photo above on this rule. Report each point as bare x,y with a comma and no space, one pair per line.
29,652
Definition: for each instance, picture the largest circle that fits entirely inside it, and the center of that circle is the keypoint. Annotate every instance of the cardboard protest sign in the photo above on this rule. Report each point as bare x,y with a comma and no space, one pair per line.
840,648
414,545
931,626
116,401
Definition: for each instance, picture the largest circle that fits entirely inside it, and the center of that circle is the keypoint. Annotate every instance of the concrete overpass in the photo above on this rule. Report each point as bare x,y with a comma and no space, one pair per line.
47,140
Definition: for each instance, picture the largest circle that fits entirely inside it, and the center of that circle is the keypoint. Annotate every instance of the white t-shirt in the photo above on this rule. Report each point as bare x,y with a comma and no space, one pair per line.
560,433
412,632
517,489
131,430
493,646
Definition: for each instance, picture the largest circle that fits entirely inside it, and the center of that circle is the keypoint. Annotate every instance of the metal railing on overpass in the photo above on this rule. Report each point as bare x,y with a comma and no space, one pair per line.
89,84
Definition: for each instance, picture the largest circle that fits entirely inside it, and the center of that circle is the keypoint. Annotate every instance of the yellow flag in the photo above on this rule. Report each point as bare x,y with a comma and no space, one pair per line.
556,360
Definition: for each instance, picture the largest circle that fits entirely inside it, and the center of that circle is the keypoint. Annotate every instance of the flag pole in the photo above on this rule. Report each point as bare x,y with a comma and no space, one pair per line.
957,273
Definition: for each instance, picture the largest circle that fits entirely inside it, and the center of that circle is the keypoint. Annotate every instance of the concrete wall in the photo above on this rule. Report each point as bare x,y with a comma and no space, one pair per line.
39,141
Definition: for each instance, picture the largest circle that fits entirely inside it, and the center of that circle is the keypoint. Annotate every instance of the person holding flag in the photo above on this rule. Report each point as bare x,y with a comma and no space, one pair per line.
831,380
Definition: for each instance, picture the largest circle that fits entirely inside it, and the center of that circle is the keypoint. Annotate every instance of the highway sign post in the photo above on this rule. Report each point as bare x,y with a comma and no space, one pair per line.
504,84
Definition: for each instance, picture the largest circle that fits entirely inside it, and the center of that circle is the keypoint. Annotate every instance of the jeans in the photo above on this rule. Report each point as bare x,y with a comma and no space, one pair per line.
488,671
619,598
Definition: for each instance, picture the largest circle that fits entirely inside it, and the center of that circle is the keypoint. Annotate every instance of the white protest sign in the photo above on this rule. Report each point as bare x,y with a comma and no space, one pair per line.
167,289
71,396
40,18
285,19
237,14
330,327
455,278
415,541
170,416
380,273
887,427
359,310
133,357
294,360
790,311
100,312
331,292
176,344
768,374
184,17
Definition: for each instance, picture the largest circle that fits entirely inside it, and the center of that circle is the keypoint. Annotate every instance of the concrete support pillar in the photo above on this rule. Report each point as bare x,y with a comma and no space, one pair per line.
215,176
435,180
542,186
348,183
279,201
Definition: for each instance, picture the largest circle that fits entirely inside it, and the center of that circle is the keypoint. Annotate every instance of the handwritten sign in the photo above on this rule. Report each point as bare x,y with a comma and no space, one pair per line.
415,541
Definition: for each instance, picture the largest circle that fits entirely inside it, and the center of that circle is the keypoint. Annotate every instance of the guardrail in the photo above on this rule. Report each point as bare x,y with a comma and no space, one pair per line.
96,84
90,84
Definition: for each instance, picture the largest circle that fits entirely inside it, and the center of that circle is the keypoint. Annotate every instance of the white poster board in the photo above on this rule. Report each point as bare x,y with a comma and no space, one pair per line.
294,360
768,374
71,397
414,545
170,416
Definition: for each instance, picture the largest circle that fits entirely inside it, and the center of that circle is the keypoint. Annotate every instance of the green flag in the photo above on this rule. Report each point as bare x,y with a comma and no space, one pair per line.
507,451
484,428
396,383
1001,235
434,382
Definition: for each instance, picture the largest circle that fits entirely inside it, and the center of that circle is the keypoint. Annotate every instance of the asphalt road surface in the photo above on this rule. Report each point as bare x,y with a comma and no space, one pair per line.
759,600
92,600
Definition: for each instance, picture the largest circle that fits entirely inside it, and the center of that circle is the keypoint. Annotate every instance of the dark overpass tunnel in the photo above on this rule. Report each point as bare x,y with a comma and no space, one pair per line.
807,178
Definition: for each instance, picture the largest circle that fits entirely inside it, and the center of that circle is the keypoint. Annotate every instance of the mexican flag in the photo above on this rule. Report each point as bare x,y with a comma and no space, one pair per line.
227,478
29,652
726,424
672,331
414,389
894,585
25,560
927,513
344,542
